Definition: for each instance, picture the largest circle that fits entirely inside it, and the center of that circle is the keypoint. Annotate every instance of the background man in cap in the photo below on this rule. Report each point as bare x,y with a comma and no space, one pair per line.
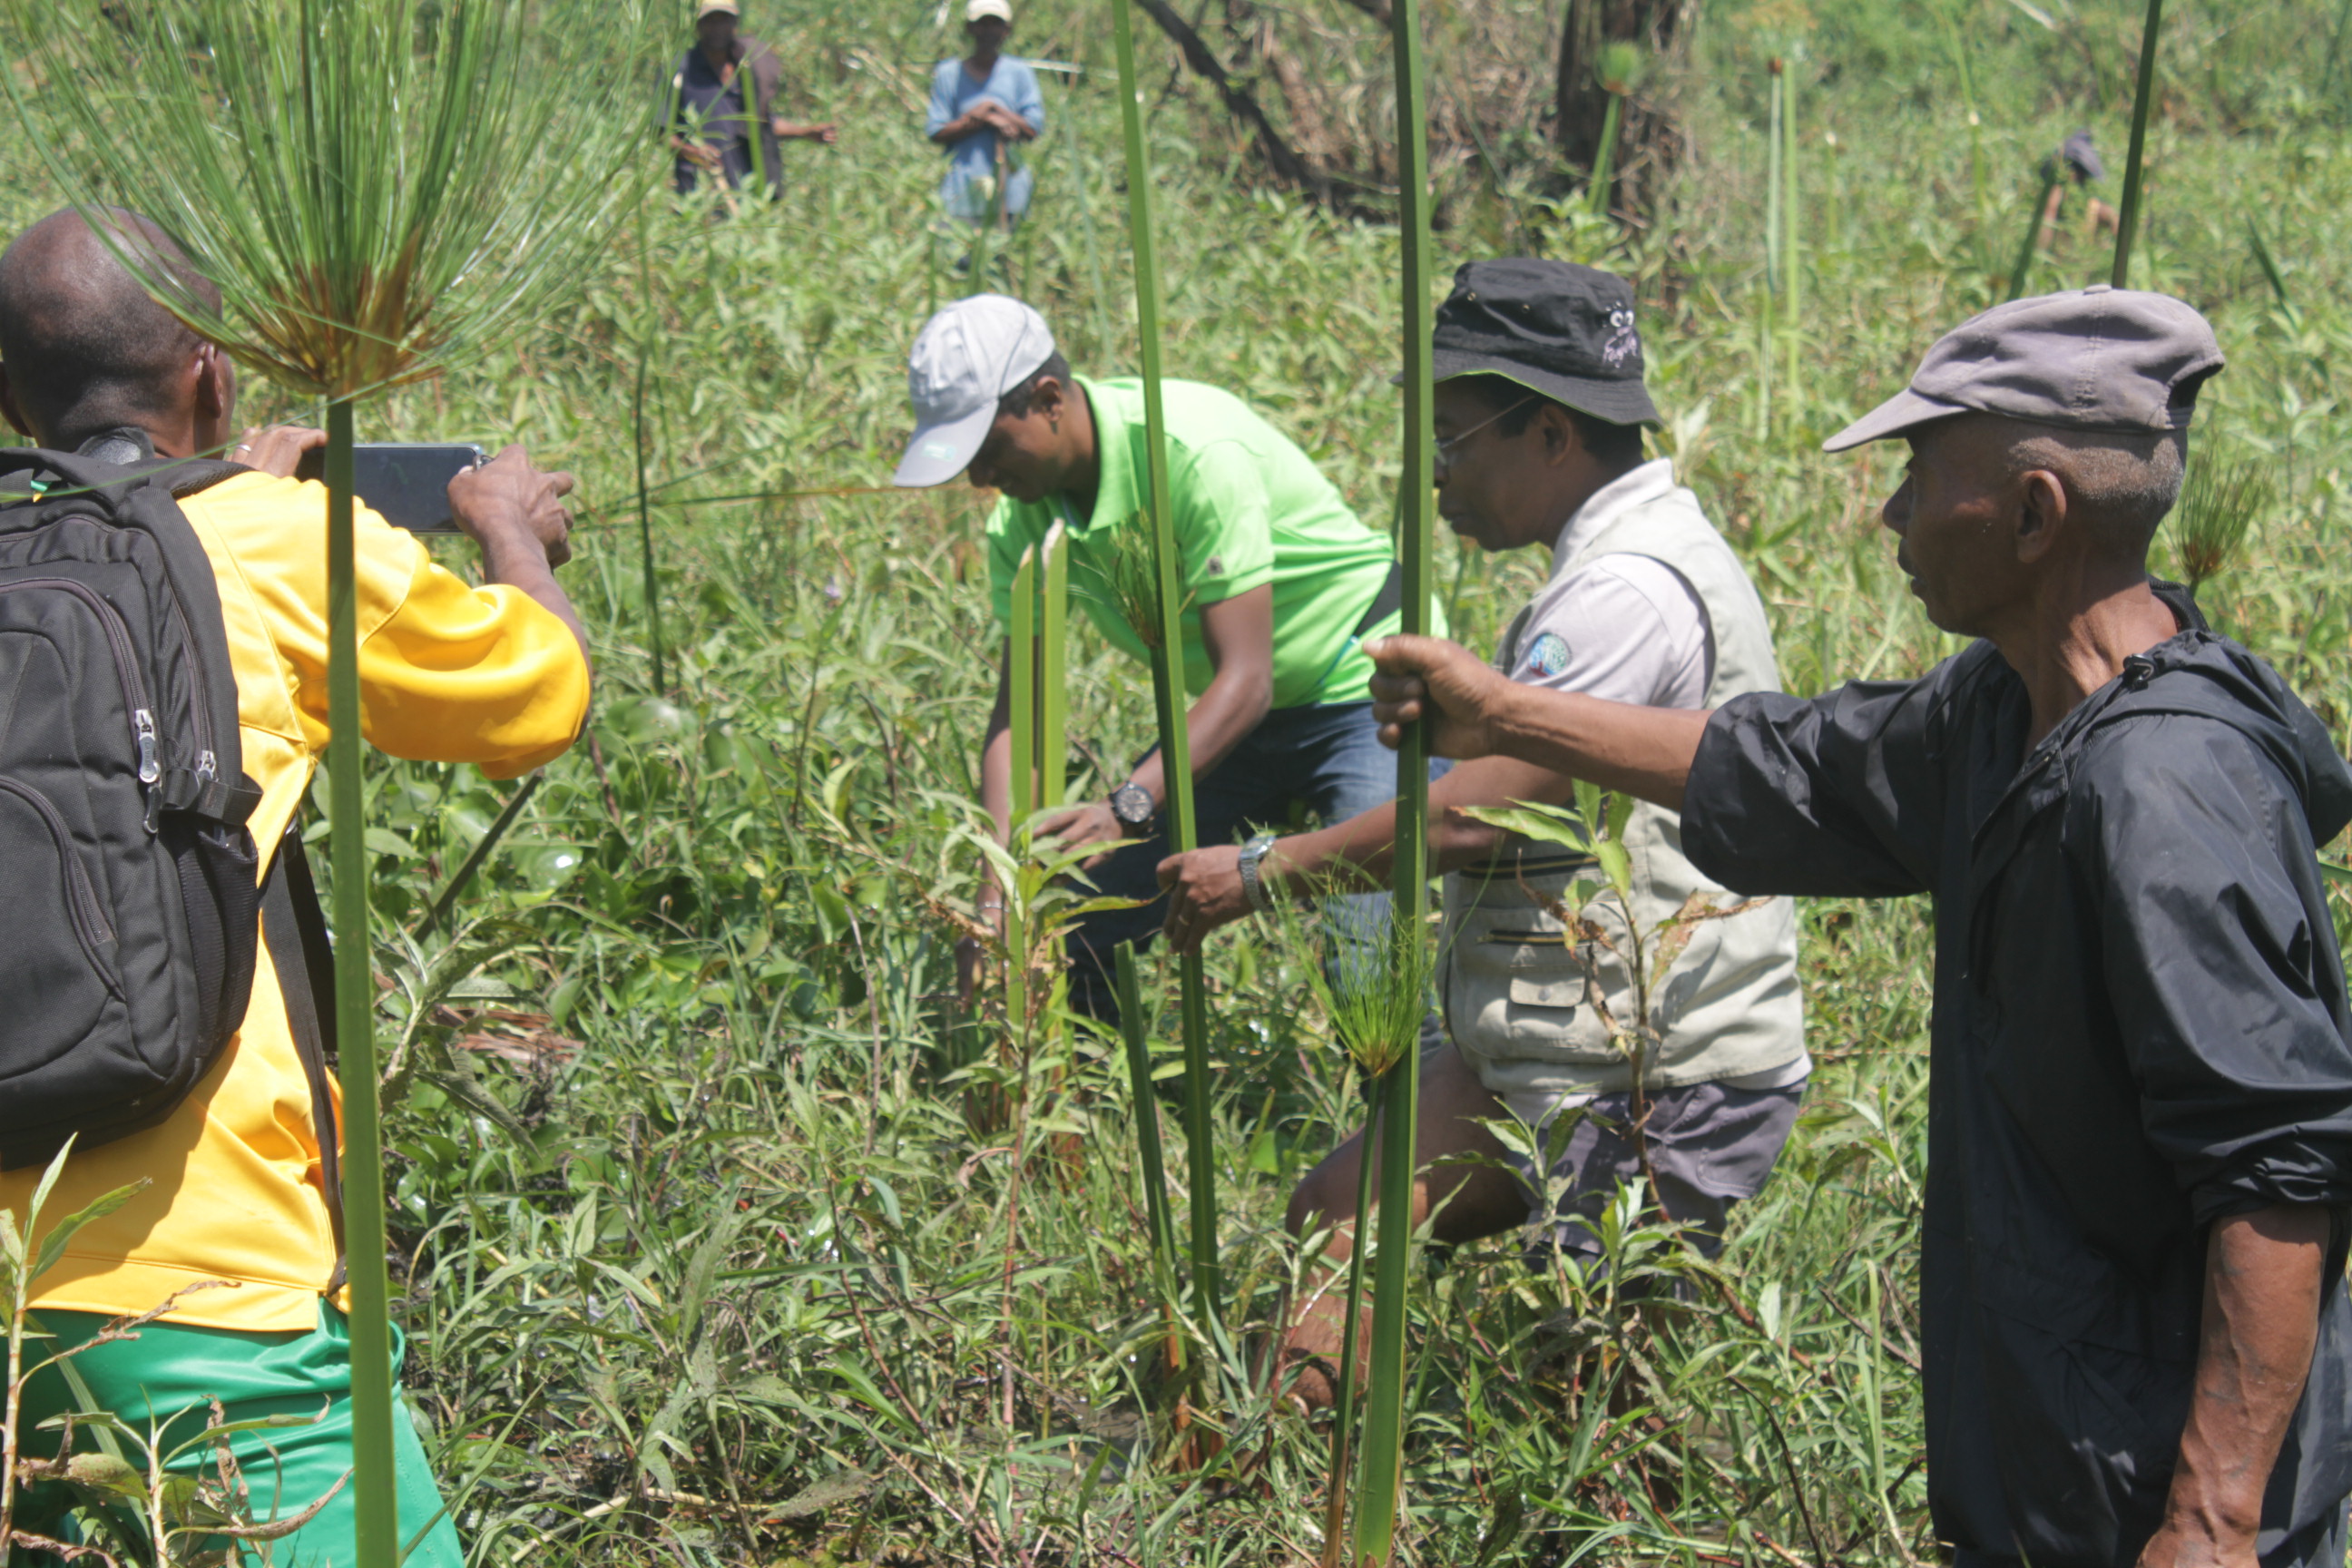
1539,409
710,128
1281,584
981,108
2140,1156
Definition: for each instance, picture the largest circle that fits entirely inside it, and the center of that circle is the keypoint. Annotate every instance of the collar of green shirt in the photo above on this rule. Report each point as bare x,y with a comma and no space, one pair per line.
1120,475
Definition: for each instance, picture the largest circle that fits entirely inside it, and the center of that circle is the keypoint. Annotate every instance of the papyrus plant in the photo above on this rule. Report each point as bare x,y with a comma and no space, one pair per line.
1384,1469
1373,987
377,188
2221,500
1165,610
2127,217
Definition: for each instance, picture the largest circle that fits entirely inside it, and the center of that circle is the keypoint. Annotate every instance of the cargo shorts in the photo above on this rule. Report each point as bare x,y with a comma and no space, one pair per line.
1710,1146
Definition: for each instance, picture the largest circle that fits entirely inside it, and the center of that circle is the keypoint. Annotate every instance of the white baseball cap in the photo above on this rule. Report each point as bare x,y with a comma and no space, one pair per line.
1000,9
966,358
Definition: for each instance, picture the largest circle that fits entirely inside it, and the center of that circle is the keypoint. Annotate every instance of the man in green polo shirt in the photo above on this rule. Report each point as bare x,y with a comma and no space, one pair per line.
1282,585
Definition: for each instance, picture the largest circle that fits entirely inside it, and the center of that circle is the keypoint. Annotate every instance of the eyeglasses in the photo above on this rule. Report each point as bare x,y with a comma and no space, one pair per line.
1445,450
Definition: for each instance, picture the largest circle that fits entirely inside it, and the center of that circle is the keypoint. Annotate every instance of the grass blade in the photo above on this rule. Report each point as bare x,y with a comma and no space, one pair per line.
2127,221
1133,1033
1053,664
1168,668
2051,171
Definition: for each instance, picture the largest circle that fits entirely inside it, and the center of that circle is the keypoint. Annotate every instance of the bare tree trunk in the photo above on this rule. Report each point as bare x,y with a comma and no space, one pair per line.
1649,137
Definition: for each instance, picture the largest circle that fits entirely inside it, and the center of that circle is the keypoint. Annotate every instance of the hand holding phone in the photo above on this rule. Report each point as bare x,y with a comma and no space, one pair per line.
507,503
406,483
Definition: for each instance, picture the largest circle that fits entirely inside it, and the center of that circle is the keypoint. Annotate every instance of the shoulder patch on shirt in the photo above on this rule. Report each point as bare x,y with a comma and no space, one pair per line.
1549,654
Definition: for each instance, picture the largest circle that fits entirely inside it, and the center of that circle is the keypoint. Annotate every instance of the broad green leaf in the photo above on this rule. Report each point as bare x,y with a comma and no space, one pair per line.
1543,823
52,1243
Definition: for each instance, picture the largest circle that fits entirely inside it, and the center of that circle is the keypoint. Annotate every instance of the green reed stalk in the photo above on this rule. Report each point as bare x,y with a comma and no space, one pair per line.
1168,668
1773,149
645,524
1376,1515
1133,1033
1343,1406
2127,220
2051,171
1053,677
1602,160
1791,274
1021,724
374,1502
1620,64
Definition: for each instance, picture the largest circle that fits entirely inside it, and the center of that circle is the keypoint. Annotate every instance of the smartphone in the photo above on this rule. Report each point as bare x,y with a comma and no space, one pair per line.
406,483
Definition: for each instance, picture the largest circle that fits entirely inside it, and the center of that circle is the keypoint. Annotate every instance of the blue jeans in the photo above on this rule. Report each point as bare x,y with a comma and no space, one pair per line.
1326,757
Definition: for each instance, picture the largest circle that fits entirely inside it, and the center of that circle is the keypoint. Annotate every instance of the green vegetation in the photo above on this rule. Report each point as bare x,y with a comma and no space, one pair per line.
709,1245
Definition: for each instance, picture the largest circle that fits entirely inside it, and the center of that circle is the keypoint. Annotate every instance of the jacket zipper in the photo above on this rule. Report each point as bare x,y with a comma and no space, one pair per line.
90,921
126,666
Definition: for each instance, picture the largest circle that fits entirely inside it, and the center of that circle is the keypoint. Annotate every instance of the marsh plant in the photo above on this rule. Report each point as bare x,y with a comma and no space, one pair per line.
1168,665
1373,986
2221,500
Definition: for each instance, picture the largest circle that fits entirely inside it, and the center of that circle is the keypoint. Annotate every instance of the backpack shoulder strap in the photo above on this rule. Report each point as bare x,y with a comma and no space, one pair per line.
295,929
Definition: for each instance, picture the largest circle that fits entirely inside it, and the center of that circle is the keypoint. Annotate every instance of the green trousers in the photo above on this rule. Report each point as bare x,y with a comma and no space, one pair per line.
171,1372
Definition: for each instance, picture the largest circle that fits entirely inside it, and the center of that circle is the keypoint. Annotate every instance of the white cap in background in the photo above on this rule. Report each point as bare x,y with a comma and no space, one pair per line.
975,9
967,357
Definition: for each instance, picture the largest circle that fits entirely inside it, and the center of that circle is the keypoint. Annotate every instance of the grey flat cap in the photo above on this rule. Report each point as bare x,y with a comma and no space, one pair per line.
2096,359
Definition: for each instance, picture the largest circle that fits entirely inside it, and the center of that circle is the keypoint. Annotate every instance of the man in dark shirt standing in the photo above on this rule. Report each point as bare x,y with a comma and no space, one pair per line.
2140,1124
710,126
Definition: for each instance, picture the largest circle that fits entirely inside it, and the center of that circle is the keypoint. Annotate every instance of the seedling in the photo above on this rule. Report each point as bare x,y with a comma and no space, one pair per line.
2221,500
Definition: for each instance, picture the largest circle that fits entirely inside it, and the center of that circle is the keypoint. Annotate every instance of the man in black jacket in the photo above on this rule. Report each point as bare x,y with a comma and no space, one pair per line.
2140,1128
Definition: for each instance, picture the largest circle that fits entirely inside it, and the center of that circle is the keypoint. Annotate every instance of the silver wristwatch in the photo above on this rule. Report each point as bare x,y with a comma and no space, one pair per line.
1252,888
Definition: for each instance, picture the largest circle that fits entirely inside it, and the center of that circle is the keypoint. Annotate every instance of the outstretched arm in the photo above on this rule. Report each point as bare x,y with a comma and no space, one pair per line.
1238,636
1475,711
2263,1281
1354,855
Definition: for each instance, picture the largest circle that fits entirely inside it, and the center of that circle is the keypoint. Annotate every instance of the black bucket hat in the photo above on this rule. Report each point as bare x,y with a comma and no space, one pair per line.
1553,327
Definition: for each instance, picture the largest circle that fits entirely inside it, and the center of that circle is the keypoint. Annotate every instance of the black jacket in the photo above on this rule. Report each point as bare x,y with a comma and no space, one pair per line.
2139,1026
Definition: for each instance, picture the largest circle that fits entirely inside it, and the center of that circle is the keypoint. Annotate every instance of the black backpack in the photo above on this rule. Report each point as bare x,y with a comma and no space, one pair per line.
131,874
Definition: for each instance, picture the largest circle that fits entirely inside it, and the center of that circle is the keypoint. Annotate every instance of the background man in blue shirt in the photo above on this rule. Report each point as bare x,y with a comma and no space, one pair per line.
980,109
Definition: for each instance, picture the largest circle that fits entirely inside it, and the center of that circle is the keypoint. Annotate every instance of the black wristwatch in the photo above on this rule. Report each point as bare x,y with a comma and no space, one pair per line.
1131,803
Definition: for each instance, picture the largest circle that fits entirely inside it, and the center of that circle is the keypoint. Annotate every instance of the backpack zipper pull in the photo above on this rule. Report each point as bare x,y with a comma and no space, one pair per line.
144,722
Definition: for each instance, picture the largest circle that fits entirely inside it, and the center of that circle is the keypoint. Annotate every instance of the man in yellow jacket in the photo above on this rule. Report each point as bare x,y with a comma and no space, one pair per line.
231,1227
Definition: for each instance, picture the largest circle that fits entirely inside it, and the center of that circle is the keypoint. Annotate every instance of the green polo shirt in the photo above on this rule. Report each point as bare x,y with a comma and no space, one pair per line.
1251,508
